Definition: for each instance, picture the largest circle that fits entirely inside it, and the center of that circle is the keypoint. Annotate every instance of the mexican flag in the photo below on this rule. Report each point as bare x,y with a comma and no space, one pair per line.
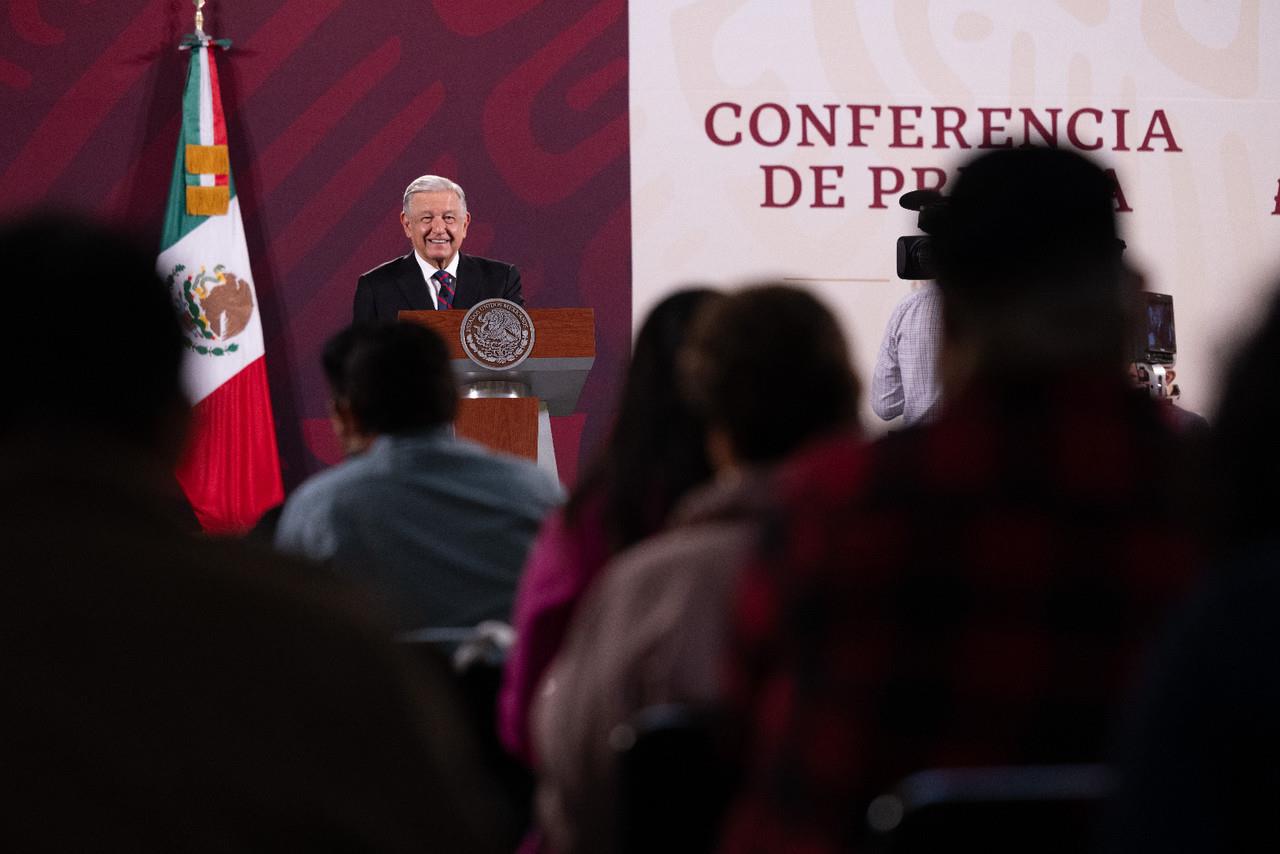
231,469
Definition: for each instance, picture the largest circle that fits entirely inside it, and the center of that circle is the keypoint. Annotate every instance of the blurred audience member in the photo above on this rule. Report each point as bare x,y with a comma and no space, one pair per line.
972,591
435,526
768,370
656,453
166,693
1201,769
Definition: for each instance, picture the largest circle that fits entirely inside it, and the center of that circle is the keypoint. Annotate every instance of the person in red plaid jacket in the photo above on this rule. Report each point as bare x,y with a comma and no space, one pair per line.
974,591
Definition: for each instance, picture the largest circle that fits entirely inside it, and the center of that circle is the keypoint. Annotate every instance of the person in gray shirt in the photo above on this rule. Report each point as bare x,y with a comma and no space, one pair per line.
905,380
436,527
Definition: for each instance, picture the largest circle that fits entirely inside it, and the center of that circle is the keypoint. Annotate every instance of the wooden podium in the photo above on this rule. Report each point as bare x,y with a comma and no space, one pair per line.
508,410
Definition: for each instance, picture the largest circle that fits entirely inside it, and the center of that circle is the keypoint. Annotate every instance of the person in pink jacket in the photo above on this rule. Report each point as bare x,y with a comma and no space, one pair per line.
656,454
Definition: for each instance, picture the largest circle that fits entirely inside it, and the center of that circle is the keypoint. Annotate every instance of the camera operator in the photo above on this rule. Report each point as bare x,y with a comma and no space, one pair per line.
905,380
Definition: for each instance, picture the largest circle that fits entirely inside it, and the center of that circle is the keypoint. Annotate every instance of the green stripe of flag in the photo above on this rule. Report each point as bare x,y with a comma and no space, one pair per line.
177,222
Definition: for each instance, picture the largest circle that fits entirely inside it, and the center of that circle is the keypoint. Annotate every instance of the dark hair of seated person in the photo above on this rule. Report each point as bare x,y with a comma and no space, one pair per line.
770,366
96,331
656,451
395,377
1029,263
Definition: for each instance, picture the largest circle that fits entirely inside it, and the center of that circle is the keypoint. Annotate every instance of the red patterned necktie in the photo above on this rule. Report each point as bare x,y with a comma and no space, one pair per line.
445,297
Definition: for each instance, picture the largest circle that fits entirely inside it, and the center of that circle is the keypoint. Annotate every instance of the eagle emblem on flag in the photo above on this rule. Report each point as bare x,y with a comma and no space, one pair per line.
214,306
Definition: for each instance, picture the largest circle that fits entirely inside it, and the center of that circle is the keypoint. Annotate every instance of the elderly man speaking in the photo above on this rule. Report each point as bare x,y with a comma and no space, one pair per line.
435,275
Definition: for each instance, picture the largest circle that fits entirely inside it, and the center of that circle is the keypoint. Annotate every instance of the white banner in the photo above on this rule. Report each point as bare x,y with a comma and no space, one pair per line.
773,140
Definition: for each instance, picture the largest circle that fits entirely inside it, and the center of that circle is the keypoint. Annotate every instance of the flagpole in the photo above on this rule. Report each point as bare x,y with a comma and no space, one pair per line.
200,38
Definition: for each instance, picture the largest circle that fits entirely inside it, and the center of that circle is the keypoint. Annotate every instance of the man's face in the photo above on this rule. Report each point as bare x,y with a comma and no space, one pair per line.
436,225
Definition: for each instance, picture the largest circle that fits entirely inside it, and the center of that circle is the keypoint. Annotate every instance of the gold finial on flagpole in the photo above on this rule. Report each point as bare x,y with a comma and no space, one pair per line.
199,17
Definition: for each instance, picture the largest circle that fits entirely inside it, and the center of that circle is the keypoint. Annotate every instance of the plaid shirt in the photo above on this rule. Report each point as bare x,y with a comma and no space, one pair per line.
905,379
971,592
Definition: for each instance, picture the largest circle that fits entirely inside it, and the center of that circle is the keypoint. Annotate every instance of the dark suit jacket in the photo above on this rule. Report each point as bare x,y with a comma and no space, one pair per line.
386,290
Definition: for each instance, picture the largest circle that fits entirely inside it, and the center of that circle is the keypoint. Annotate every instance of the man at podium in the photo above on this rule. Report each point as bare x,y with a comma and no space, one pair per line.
435,274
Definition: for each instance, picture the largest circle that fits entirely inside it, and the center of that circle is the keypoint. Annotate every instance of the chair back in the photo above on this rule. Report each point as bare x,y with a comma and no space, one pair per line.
674,782
1049,809
476,679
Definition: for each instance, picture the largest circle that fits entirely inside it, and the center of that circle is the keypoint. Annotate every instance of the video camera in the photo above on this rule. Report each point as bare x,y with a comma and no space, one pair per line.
1154,346
1156,342
915,252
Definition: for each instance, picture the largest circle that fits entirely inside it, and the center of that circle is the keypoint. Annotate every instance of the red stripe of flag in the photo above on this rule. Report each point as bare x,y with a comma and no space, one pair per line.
230,471
219,122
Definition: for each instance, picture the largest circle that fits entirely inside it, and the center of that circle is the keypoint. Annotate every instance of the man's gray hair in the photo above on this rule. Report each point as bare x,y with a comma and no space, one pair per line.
432,184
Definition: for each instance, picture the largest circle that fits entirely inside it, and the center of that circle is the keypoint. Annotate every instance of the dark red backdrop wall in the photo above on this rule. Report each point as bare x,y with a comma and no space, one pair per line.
332,108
